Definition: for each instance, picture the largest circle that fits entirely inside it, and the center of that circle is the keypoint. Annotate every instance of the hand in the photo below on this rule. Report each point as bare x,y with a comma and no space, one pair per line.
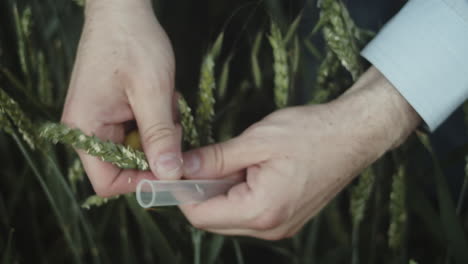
296,160
124,70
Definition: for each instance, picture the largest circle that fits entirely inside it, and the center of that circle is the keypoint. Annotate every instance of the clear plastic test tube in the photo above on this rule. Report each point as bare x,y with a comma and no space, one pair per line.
165,193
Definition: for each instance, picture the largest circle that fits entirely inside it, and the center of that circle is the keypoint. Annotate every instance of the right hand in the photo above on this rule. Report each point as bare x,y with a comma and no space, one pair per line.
124,70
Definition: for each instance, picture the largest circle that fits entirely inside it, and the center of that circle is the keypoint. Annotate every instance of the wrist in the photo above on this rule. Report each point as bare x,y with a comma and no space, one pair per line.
97,7
377,114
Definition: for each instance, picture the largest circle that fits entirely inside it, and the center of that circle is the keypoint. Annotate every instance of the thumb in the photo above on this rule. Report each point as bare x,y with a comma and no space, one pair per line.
160,136
223,159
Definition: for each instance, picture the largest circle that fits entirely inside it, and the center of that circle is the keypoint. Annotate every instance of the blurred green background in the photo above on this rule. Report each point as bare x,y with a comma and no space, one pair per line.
406,208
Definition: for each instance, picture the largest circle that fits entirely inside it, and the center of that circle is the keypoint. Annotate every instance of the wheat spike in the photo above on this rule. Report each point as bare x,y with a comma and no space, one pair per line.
75,173
22,23
12,110
5,124
280,66
324,85
341,35
96,201
190,133
206,100
360,194
397,209
119,155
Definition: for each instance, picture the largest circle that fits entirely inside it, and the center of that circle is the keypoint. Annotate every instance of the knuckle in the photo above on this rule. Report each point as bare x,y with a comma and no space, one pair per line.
160,81
157,133
218,157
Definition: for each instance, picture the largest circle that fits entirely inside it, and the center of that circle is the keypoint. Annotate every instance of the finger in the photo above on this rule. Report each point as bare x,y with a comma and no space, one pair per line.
224,158
175,107
108,180
226,207
153,109
273,235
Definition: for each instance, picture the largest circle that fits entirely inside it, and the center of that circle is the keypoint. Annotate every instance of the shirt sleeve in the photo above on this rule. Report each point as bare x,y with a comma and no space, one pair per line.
423,52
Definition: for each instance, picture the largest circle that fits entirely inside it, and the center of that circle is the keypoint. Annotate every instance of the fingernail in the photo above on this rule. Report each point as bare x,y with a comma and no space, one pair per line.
168,165
192,164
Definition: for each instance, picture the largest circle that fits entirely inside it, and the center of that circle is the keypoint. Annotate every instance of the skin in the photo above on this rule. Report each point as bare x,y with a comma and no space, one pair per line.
296,160
124,71
291,163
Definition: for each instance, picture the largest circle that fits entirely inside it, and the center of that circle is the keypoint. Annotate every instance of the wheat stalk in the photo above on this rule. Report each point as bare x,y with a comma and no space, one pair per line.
122,156
280,66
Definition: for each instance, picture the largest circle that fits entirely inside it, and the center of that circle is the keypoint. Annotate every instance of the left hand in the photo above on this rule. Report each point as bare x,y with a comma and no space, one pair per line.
296,160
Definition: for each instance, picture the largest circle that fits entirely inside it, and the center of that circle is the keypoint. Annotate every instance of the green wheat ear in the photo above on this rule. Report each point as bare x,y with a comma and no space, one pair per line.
76,173
122,156
206,100
342,35
256,72
96,201
360,194
11,112
397,209
280,66
190,134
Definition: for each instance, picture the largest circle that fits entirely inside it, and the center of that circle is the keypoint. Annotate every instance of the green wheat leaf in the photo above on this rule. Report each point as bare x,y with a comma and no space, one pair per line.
292,29
224,78
256,72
